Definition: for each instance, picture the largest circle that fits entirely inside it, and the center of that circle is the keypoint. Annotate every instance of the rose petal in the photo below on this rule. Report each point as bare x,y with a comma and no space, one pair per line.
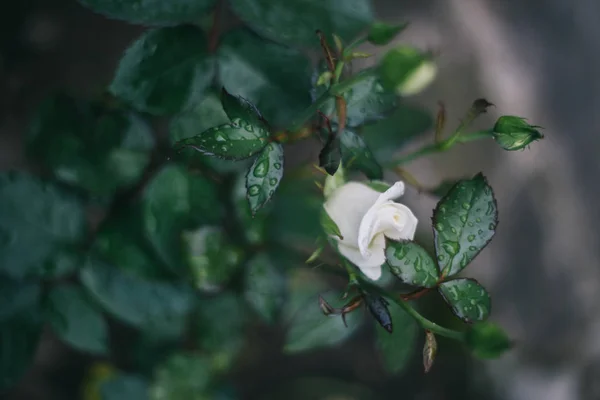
375,260
347,205
370,224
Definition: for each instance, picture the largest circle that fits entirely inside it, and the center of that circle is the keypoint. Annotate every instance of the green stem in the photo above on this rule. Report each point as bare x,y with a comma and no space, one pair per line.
421,320
339,67
308,113
440,147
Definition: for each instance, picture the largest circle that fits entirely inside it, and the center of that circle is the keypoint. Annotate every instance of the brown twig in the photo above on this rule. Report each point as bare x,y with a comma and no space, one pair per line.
213,36
415,295
326,51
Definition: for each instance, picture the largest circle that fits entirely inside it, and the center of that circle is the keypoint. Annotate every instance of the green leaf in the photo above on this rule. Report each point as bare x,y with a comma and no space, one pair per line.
124,386
386,137
264,176
381,33
253,226
329,226
89,145
213,261
19,339
468,299
295,216
308,328
331,155
148,304
274,78
236,107
294,22
396,348
76,320
37,221
412,264
219,326
444,187
173,201
183,376
121,241
464,222
152,12
165,71
487,340
17,297
357,155
236,140
366,102
266,287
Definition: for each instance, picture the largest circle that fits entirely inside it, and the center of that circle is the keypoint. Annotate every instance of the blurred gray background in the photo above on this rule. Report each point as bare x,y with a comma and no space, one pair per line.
532,58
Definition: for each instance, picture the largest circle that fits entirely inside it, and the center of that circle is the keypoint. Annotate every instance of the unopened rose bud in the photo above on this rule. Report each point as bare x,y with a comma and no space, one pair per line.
407,70
514,133
377,305
429,350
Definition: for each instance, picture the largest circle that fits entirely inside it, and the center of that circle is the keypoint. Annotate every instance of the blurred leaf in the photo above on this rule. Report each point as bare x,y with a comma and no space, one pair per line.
264,175
77,321
37,220
331,155
17,297
367,101
152,12
96,375
274,78
382,33
308,328
19,337
183,376
328,224
175,200
464,222
121,241
412,264
314,388
236,107
294,22
396,348
219,325
165,71
90,146
150,305
444,187
386,137
487,340
253,226
295,215
266,287
213,261
124,386
357,155
468,299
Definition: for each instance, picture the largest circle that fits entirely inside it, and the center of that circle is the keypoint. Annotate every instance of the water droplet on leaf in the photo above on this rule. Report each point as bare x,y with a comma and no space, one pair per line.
470,238
253,190
466,206
261,169
451,248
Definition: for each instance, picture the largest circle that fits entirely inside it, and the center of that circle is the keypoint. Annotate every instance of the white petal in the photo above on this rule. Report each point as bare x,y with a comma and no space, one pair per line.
370,224
374,261
372,273
403,222
347,205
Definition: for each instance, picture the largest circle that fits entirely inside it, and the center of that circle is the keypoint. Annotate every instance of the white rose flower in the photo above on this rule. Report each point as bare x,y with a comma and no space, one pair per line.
365,218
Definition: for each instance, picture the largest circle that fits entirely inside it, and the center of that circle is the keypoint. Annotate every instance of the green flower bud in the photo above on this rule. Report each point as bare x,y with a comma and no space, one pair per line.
407,70
514,133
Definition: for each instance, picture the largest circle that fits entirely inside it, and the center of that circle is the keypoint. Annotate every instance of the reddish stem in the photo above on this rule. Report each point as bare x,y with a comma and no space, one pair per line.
213,36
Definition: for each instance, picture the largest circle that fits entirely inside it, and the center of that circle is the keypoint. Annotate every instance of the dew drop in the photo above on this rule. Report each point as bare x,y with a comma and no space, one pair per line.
219,137
492,226
480,232
473,301
470,238
271,192
277,165
464,260
452,248
472,248
249,128
490,209
453,230
470,223
261,169
466,206
441,257
463,218
418,263
253,190
406,262
224,149
273,181
443,209
401,253
439,226
478,219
